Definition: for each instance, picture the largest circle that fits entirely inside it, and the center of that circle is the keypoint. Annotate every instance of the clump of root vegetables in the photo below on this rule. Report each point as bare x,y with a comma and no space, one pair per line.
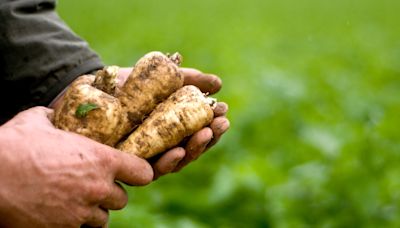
151,113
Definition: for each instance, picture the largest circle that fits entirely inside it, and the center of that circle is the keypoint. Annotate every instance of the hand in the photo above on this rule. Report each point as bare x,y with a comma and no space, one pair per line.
52,178
176,158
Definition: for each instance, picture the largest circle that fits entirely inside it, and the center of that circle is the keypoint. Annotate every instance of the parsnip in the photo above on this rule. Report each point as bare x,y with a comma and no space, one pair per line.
154,77
91,112
111,112
107,79
182,114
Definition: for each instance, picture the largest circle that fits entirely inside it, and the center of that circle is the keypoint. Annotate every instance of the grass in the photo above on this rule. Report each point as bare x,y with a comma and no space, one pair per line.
313,90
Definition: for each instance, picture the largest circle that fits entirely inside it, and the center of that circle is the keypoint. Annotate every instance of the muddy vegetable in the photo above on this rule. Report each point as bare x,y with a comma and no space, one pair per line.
95,107
107,79
153,79
186,111
91,112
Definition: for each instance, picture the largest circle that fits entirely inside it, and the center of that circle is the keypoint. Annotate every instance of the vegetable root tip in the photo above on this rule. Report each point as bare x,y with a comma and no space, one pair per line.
176,58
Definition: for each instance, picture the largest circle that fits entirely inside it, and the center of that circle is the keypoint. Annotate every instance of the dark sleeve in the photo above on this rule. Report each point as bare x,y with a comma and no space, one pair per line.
39,55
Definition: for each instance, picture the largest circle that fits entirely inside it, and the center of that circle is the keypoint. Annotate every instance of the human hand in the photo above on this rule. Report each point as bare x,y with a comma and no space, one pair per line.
178,157
53,178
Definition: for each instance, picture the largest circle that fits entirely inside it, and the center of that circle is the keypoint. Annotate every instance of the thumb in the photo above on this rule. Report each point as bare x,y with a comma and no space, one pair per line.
43,114
37,115
131,169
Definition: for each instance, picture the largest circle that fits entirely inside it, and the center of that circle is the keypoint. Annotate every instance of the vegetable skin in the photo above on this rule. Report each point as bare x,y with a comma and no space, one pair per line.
154,77
185,112
118,110
105,123
107,79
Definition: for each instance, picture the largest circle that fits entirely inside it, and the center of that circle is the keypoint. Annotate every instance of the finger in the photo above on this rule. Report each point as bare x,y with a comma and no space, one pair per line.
123,75
168,162
195,147
42,113
132,170
36,115
219,126
221,109
98,218
207,83
39,111
117,199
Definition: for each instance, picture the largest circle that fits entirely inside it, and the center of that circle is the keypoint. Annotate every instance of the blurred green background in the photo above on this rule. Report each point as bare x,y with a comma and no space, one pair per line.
313,88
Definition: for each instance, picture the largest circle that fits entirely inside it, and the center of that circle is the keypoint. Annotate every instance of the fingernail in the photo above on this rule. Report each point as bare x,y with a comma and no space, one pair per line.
176,161
223,125
208,141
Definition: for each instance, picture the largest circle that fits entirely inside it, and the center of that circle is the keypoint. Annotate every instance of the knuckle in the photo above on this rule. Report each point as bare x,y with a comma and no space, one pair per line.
107,158
83,215
99,192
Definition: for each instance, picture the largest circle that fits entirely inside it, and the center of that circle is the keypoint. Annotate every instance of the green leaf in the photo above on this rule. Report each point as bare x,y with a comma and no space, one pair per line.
84,109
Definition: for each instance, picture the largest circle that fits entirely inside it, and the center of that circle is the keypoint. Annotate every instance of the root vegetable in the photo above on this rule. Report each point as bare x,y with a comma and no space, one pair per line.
107,79
182,114
153,79
95,107
91,112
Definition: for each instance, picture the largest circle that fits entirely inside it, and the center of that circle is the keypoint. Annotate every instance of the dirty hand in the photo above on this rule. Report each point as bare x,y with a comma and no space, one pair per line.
53,178
178,157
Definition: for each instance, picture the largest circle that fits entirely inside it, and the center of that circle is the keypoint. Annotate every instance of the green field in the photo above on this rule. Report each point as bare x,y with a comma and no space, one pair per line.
314,94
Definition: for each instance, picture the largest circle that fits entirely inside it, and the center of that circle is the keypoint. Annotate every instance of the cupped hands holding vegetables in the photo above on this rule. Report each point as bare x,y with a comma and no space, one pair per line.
54,178
69,180
175,159
116,101
178,157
